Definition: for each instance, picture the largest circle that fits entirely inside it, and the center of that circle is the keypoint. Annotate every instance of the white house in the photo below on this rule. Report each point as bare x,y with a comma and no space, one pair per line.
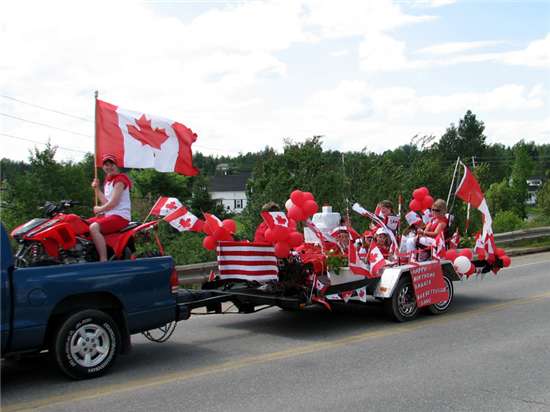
230,191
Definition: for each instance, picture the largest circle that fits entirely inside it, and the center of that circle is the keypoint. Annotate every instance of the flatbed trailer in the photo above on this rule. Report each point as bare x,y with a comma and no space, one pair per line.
394,289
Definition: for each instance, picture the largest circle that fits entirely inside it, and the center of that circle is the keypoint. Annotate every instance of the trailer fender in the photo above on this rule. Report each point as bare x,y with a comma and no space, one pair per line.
388,281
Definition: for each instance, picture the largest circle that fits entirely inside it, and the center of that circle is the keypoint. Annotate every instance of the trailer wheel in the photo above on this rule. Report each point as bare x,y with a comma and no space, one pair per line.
402,304
442,307
86,344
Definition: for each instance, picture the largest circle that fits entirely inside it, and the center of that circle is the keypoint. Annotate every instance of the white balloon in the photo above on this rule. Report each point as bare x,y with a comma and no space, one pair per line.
289,204
462,264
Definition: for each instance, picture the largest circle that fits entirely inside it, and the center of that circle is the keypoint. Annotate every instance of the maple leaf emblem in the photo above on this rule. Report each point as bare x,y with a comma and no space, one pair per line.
185,222
280,220
362,293
146,134
171,205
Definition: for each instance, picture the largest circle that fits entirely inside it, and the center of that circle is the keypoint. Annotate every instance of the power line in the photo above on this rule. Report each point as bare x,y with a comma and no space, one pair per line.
46,108
37,142
46,125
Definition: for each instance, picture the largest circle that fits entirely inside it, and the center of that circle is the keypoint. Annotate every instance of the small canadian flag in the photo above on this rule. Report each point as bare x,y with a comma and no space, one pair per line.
184,221
275,219
139,140
165,205
376,260
346,295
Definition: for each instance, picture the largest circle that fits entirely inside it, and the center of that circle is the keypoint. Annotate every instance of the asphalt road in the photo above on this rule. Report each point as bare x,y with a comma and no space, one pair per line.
490,352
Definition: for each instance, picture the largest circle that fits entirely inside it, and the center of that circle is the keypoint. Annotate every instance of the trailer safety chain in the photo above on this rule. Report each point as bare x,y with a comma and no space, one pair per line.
165,332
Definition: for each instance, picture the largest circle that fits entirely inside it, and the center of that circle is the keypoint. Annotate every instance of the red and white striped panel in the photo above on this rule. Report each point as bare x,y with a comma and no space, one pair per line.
247,261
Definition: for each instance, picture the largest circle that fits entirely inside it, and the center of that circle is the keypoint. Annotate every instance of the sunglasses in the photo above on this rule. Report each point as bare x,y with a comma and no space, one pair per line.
436,210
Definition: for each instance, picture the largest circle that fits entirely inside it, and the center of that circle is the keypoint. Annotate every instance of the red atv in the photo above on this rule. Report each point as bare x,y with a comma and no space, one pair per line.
64,238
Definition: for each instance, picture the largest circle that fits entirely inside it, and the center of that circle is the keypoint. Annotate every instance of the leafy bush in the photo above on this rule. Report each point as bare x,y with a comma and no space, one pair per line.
506,221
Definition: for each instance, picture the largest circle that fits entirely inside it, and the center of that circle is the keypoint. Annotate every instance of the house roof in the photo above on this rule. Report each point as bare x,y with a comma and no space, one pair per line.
229,183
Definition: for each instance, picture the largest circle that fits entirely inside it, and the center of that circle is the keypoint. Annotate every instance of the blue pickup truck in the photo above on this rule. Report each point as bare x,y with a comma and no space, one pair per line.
84,314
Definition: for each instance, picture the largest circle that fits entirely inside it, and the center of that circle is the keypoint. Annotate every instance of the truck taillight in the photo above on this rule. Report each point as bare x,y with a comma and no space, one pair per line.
174,281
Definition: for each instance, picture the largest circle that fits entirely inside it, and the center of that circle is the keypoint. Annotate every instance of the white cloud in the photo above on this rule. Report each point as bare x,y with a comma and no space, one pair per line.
458,47
340,53
432,3
355,114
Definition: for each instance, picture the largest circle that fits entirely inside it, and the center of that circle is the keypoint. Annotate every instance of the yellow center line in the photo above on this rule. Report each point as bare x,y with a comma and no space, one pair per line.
149,382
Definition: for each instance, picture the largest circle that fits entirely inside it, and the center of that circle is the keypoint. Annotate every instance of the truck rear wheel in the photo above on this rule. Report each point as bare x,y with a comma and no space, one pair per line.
402,304
86,344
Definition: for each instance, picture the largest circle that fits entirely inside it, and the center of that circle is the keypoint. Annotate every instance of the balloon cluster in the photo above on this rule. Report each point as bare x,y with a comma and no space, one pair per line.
421,199
301,205
217,231
462,260
284,238
504,258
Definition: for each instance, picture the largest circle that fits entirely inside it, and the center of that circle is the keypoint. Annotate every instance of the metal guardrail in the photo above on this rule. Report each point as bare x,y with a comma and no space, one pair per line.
198,273
523,234
195,273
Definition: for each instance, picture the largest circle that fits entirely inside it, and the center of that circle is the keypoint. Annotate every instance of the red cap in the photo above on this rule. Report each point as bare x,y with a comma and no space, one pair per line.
110,157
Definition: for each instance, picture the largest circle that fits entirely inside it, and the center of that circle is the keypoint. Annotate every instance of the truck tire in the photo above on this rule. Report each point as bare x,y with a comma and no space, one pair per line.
402,305
86,344
443,306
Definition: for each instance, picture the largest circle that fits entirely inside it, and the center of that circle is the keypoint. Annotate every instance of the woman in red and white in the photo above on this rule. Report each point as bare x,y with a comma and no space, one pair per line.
114,213
436,225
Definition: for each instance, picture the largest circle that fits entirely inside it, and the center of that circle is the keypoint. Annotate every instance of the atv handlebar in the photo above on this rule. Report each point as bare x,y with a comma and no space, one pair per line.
52,208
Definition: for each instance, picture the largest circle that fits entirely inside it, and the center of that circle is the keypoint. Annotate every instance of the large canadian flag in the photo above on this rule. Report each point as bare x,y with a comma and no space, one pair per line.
469,191
138,140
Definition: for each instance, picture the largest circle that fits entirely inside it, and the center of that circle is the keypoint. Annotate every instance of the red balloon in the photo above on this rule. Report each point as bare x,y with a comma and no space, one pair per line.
451,254
229,225
296,213
425,191
206,229
222,234
297,197
310,207
295,239
427,202
506,261
209,242
418,194
499,252
415,205
466,252
481,254
282,249
280,233
308,196
268,235
199,225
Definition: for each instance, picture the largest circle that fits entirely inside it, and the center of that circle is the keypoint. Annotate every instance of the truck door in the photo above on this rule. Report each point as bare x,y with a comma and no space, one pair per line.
6,266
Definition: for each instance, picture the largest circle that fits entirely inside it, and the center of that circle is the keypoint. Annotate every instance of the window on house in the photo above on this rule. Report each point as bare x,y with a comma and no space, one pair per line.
238,203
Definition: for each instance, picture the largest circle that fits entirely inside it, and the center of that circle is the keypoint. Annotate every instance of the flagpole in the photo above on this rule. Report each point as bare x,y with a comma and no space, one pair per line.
96,200
453,180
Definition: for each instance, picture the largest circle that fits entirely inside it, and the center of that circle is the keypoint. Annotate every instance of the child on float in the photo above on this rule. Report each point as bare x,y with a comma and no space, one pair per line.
384,210
383,242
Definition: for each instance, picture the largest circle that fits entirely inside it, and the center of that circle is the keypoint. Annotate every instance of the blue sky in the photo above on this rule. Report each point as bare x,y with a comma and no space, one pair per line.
247,74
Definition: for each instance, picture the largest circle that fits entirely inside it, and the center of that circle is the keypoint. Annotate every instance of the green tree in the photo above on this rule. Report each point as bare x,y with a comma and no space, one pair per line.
467,140
543,198
521,171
